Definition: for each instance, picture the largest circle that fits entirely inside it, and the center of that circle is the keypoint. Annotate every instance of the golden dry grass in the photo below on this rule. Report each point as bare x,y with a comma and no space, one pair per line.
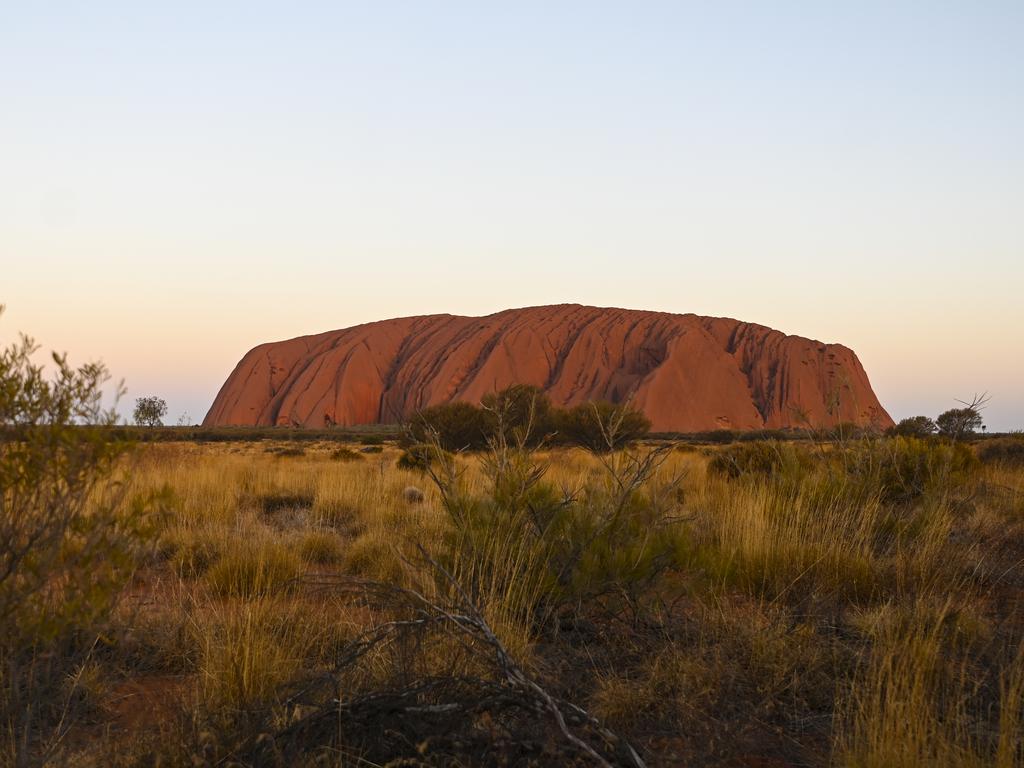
803,619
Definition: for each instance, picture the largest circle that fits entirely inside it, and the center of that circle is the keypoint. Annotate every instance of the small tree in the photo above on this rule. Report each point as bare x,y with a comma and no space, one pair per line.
958,423
915,426
150,411
69,540
601,426
457,425
521,410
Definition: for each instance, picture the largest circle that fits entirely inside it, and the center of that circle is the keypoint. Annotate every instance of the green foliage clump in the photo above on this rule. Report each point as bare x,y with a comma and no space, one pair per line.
914,426
150,411
760,459
345,455
419,457
1008,451
69,536
275,501
523,413
601,426
959,423
552,549
903,469
520,412
455,426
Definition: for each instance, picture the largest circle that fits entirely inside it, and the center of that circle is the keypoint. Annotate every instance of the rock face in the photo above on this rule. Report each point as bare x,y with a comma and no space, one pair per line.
687,373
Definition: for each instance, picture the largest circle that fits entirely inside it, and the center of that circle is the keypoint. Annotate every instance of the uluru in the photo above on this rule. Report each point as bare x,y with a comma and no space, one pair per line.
686,372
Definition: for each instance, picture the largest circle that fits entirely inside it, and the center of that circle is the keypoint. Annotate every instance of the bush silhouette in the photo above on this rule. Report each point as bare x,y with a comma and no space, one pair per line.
601,426
915,426
524,413
457,426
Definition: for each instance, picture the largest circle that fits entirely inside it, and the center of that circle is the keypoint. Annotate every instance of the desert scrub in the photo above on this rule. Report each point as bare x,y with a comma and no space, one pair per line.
321,548
912,702
191,552
782,541
249,650
904,469
70,538
1006,451
346,454
375,555
270,502
253,568
753,614
769,458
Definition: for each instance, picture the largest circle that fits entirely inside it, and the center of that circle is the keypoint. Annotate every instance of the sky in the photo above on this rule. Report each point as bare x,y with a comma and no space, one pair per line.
182,181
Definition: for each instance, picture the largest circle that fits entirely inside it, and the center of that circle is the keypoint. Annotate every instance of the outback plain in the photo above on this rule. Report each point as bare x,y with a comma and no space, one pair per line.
587,594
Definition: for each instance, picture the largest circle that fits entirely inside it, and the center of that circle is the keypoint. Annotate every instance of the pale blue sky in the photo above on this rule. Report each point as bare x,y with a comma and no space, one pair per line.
179,183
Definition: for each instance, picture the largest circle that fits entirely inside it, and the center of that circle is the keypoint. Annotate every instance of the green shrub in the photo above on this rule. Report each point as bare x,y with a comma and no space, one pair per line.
69,539
522,411
526,537
456,426
290,452
345,455
419,457
717,436
1008,451
760,459
914,426
903,469
276,501
601,426
959,423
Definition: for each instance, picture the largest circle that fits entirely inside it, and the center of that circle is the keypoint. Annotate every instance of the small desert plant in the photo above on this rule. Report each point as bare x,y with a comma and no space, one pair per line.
248,651
911,702
412,495
345,454
418,457
276,501
760,459
1008,451
904,469
321,548
253,568
192,552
